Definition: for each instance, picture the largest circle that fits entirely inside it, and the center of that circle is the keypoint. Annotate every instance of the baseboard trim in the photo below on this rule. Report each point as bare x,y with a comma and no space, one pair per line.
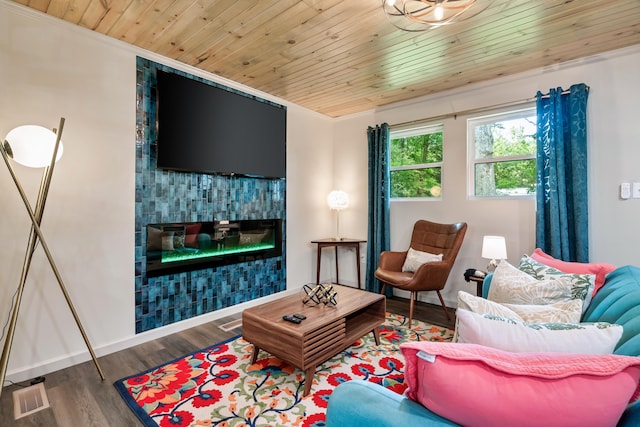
27,372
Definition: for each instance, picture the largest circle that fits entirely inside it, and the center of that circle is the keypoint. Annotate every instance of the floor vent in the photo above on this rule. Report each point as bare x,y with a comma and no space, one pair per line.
28,400
231,325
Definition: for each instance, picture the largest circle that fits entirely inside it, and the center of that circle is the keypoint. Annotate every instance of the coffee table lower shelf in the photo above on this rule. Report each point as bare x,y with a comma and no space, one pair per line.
326,331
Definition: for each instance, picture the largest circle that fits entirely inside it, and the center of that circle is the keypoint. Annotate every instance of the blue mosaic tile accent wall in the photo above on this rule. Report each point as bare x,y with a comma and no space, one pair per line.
166,196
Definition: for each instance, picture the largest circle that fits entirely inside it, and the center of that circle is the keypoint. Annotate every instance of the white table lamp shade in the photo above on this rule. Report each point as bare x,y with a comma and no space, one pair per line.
338,200
494,247
32,145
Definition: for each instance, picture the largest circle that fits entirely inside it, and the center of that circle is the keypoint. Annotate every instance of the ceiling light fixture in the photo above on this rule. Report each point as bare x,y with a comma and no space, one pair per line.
422,15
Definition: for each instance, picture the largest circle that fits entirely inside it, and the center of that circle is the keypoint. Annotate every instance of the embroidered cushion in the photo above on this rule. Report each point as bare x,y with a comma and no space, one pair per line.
479,305
599,269
582,285
563,312
513,286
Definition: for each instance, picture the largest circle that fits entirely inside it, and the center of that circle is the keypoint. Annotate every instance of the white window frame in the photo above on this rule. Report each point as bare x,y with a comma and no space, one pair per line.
505,114
413,131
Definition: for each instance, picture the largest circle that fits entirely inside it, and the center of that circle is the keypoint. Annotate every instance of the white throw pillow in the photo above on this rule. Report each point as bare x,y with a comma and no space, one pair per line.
563,312
512,286
512,335
582,285
415,259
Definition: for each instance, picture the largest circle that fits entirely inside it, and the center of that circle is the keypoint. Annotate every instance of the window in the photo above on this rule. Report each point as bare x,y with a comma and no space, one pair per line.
503,154
416,162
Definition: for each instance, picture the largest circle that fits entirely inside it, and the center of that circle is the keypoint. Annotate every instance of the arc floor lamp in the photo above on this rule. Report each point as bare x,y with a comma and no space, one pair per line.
35,146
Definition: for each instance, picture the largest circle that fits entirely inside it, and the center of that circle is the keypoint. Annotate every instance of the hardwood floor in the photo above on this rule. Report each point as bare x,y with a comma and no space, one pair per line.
78,398
429,313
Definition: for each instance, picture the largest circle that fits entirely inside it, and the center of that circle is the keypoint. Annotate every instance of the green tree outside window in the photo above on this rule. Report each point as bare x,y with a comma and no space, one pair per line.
504,150
416,163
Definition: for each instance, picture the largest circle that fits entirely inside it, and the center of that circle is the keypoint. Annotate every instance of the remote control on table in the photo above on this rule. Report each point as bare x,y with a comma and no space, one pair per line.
291,319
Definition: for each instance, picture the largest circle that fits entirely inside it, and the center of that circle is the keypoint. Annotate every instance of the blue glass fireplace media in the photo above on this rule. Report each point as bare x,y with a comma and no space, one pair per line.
177,247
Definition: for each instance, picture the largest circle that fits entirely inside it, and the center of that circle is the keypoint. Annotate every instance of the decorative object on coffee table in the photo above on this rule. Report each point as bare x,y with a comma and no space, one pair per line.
319,294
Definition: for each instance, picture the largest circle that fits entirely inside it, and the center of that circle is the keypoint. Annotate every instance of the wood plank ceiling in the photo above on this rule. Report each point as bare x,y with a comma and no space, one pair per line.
339,57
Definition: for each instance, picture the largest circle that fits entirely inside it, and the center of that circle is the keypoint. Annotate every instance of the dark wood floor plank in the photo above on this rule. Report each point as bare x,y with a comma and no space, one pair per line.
75,404
79,398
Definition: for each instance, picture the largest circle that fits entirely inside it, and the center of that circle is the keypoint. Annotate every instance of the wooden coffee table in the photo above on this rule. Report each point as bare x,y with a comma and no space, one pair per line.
325,332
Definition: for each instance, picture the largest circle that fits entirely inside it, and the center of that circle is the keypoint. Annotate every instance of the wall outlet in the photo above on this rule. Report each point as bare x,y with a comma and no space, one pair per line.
625,190
635,190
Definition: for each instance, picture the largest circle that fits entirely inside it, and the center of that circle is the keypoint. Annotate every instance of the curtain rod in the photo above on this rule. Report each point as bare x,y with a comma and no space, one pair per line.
464,112
476,110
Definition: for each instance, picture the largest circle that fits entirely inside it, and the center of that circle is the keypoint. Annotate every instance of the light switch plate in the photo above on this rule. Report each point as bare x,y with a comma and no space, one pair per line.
635,190
625,190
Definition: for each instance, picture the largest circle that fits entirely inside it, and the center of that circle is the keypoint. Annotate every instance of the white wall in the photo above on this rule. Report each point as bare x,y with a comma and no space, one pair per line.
48,72
50,69
614,150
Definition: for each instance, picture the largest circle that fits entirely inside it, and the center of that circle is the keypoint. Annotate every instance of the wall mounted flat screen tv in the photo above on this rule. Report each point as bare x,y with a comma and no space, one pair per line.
204,128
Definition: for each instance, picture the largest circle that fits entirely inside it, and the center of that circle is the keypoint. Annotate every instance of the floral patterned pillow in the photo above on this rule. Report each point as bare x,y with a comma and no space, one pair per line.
564,312
582,285
510,285
479,305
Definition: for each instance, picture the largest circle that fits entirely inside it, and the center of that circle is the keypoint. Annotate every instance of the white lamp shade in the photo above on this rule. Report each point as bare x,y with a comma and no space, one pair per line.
338,200
33,145
494,247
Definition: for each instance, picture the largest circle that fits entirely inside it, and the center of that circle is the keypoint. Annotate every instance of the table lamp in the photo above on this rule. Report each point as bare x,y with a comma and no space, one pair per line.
338,200
495,249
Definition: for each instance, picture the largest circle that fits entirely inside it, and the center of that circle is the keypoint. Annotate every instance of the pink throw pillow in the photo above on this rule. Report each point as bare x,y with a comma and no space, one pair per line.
600,269
474,385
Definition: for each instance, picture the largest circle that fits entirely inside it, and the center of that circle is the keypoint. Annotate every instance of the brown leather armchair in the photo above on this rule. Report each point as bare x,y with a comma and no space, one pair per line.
445,239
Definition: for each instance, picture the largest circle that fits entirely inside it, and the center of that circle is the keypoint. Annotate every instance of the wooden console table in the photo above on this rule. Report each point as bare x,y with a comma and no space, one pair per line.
325,332
336,243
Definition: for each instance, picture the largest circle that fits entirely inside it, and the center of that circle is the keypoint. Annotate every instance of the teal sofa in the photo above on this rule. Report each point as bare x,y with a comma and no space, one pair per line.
359,403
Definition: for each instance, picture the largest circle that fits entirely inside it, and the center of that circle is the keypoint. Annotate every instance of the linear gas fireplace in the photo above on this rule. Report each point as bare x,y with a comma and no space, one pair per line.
178,247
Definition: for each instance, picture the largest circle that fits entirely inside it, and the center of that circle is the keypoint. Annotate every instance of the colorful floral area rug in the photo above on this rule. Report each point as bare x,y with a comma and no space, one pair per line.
218,386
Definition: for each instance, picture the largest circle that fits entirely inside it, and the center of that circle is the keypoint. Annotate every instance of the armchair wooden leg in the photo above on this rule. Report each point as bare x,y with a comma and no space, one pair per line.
444,307
384,286
411,298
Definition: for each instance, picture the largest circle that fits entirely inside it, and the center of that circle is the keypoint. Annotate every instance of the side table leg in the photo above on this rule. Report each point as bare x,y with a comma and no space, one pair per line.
358,262
318,264
376,336
337,273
